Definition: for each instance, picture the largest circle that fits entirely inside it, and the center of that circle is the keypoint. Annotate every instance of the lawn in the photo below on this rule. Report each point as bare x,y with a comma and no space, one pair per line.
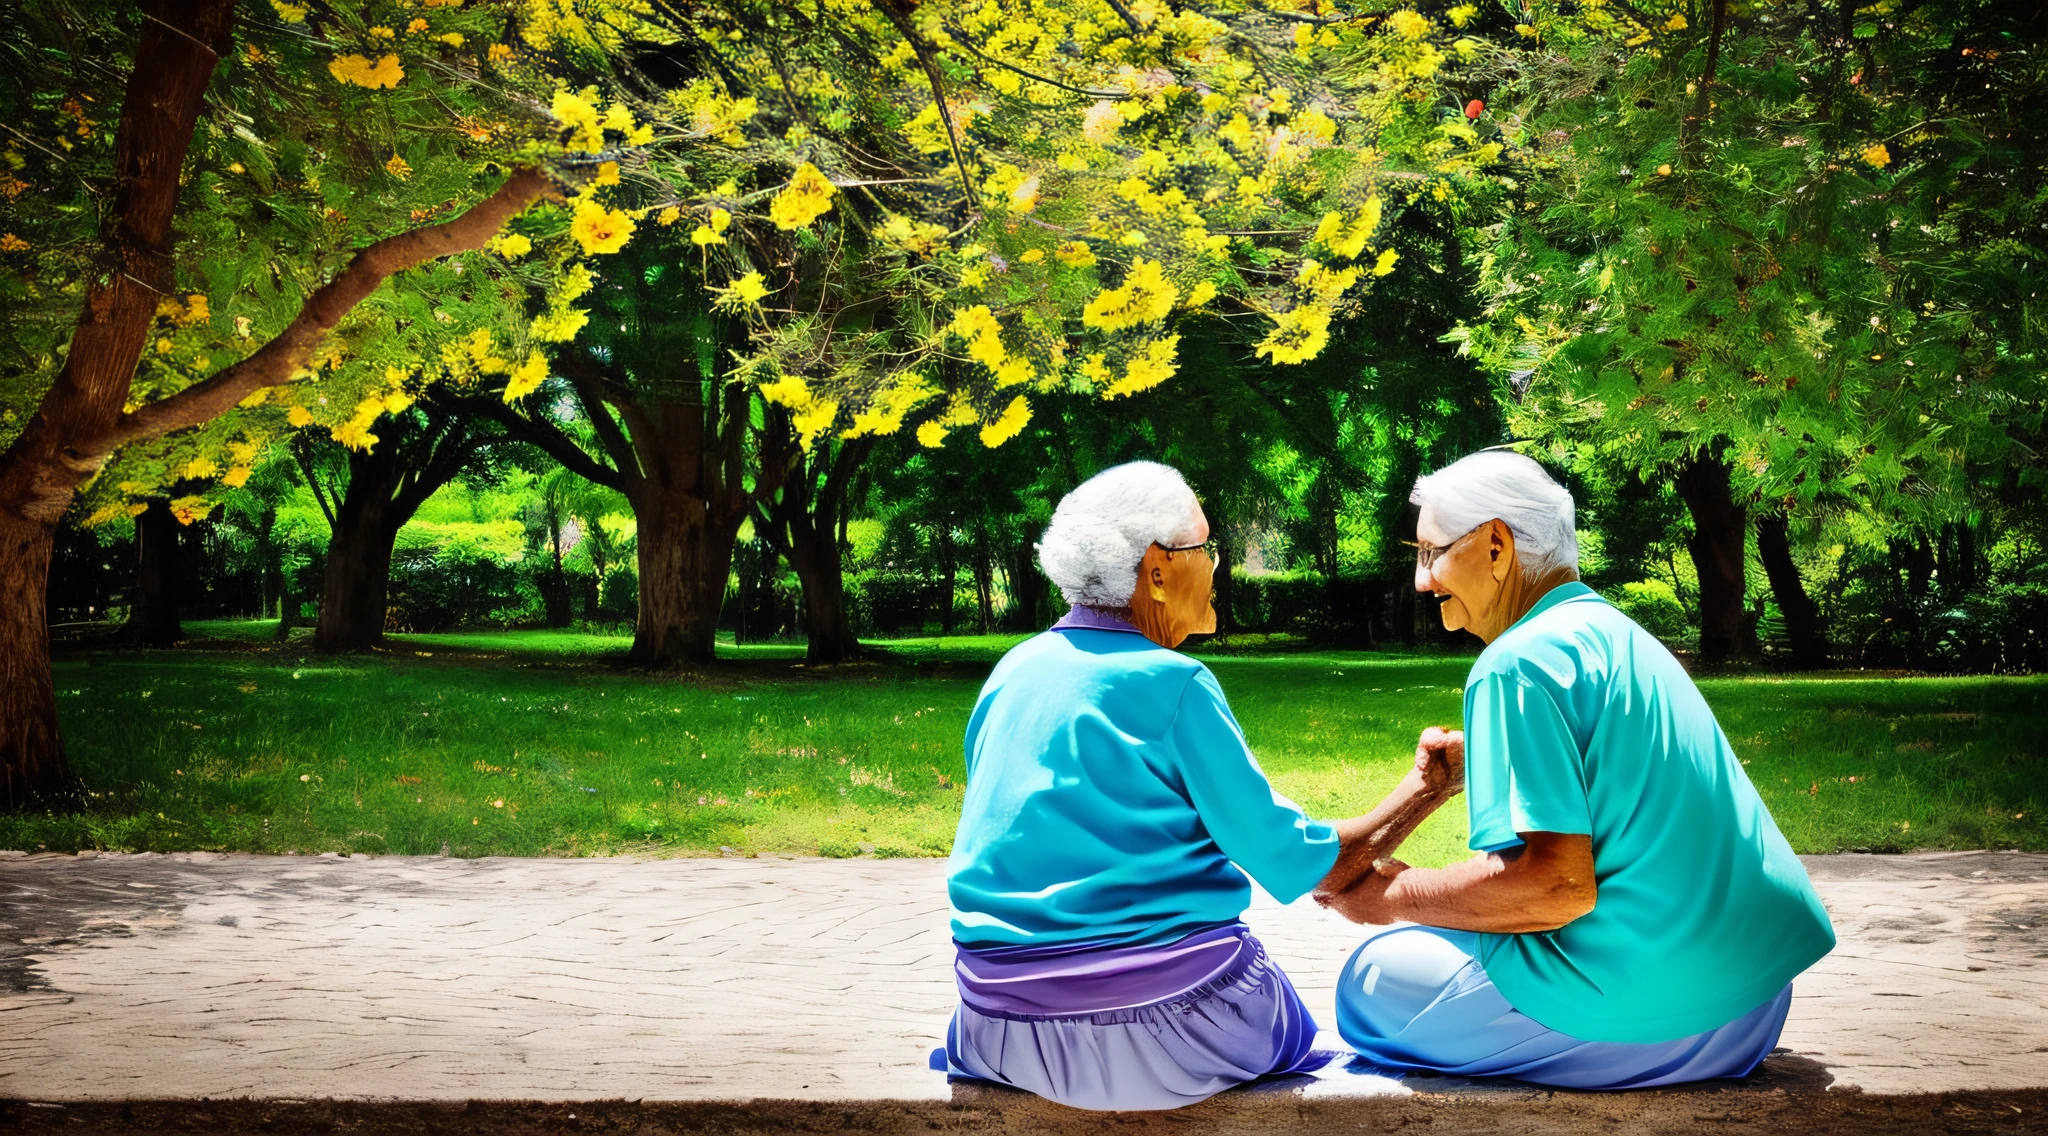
538,743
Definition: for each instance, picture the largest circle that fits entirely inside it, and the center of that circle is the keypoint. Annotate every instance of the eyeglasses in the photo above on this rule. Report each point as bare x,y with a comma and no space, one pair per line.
1428,554
1208,546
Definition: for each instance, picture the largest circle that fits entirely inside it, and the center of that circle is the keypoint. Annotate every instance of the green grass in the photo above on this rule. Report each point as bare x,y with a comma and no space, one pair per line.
528,743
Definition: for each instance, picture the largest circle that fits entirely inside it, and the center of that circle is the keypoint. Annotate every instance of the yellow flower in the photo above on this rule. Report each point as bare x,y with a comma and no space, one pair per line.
11,243
1676,23
977,325
746,292
299,416
398,168
1409,24
1075,254
806,196
607,174
1462,14
237,477
576,112
1347,239
255,397
526,378
1201,294
1385,264
704,236
931,435
1878,155
382,33
511,246
198,469
1297,336
417,26
356,69
559,324
668,216
499,53
1031,256
452,39
289,13
721,220
1008,425
163,346
1145,296
600,230
1158,364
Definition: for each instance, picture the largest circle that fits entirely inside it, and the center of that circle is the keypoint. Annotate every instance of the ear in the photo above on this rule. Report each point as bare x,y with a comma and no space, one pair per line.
1501,547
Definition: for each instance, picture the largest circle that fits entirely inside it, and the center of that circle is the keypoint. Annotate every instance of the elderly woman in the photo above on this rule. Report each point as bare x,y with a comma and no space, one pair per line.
1112,815
1634,917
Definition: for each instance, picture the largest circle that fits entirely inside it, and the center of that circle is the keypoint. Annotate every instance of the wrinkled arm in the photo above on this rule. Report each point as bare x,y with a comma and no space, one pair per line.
1539,885
1438,775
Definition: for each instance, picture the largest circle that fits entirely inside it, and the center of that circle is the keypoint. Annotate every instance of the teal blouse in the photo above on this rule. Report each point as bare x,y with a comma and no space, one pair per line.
1111,799
1579,721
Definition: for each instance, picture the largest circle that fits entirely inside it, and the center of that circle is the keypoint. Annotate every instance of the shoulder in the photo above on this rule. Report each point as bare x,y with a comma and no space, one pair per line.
1558,646
1114,657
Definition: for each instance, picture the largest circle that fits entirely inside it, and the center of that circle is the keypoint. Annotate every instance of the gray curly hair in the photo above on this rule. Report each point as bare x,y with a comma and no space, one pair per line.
1100,531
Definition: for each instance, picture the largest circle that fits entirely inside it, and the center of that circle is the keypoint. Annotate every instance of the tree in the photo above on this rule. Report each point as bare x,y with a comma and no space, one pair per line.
367,495
666,425
283,174
1737,270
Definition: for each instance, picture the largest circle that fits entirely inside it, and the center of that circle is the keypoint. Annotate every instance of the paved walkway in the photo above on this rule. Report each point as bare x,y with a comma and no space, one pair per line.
187,976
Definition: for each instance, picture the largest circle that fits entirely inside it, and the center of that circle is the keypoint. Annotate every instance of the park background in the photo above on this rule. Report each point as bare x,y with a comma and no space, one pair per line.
580,541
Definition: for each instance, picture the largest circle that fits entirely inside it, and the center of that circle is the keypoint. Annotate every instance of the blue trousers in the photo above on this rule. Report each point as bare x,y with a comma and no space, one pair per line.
1416,998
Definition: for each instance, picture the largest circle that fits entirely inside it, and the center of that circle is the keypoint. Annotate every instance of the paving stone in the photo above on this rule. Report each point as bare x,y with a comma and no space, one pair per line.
433,979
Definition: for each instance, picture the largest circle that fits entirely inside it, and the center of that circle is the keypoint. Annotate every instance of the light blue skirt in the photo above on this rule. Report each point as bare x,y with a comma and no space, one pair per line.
1242,1025
1416,998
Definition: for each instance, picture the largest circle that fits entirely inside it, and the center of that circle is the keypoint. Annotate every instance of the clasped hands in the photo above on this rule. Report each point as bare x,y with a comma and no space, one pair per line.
1438,775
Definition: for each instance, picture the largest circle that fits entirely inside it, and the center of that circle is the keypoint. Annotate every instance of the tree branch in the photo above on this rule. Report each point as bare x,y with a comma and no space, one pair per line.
274,363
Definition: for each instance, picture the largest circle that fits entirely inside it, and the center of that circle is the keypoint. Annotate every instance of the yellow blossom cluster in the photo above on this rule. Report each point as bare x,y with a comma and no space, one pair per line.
360,71
598,229
585,127
1008,424
1298,335
1346,238
1145,296
806,196
1147,368
809,414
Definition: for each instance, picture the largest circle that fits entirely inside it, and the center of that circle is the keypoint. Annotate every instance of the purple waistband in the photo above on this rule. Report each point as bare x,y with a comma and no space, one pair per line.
1073,980
1084,618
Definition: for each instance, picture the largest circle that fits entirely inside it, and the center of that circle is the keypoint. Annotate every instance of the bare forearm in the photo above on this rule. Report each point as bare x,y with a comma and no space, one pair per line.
1540,886
1361,840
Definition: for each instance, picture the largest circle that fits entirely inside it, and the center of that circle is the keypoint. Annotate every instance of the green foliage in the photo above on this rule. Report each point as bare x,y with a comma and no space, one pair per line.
1823,255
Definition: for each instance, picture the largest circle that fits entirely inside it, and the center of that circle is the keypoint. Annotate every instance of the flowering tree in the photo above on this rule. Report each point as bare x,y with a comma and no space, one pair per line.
260,242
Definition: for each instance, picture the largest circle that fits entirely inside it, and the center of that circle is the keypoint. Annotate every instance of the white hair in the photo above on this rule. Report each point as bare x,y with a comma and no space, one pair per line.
1101,530
1506,486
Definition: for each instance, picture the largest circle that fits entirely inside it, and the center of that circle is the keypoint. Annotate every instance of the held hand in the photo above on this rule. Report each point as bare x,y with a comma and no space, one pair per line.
1440,760
1366,901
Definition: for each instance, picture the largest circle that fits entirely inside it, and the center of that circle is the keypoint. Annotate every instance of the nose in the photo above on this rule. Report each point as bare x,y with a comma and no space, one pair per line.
1422,580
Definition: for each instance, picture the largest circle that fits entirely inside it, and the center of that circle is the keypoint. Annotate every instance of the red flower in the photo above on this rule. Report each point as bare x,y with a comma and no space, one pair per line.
1474,109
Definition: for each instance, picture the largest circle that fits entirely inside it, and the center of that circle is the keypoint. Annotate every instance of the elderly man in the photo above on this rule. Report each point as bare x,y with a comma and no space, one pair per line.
1112,815
1634,917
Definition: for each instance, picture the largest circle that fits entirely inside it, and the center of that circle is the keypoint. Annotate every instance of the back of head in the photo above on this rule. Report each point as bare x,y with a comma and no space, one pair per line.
1101,530
1504,485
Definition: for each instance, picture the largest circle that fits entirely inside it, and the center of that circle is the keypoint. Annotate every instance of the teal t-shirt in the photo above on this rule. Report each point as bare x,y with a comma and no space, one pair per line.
1579,721
1111,798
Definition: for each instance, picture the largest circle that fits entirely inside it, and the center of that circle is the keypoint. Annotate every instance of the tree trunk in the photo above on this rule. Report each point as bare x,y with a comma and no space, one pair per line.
684,560
555,596
1802,617
33,772
827,627
1719,526
355,588
984,579
1025,588
153,609
949,571
58,451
